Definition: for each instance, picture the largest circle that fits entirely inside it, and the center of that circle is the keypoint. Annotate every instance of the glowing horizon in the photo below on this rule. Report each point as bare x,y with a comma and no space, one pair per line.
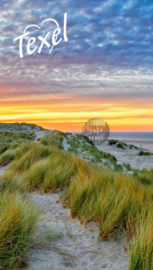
121,115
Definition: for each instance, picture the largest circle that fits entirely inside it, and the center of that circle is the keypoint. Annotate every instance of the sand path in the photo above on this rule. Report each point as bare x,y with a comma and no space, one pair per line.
3,169
41,134
78,248
65,144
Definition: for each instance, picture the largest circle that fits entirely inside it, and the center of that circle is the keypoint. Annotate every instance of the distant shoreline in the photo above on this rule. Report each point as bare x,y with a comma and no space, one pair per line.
133,140
146,144
129,136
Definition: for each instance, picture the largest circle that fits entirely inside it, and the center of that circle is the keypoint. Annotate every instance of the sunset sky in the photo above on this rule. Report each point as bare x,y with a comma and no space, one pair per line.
104,70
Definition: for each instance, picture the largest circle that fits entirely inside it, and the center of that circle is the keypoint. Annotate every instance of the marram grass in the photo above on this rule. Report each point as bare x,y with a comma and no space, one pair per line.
17,228
93,192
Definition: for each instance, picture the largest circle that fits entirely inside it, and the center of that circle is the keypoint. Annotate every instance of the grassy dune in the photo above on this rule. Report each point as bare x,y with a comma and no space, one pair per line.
18,217
19,127
119,203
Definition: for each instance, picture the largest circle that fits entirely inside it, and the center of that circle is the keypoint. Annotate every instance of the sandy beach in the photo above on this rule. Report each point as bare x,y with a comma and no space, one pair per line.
146,144
130,156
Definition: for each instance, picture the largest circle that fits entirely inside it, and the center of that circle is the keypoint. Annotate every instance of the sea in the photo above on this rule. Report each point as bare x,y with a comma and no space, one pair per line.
146,136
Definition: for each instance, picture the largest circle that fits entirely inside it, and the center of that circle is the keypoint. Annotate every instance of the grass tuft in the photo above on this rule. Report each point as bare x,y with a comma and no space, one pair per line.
18,220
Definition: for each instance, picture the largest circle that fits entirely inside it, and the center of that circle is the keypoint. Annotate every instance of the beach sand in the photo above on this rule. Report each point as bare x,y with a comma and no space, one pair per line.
148,145
79,247
130,156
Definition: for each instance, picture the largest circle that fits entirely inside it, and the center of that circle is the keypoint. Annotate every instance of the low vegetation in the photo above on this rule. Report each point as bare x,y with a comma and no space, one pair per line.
54,139
142,153
80,144
146,177
19,127
119,203
11,142
127,166
121,144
